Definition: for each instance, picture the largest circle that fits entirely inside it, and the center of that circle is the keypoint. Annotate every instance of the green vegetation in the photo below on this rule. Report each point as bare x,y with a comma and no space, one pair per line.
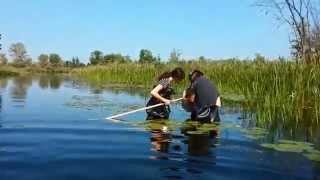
278,93
8,71
307,149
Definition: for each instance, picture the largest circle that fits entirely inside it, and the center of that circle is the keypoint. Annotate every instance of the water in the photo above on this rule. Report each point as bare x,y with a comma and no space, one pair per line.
55,128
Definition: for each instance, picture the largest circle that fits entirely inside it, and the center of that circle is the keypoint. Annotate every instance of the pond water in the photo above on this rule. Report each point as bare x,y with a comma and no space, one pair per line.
54,127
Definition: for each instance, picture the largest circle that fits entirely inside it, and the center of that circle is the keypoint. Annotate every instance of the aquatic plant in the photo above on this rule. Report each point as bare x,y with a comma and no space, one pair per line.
97,101
307,149
279,95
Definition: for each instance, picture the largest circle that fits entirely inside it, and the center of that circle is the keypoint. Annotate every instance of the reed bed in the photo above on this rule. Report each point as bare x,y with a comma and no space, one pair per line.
277,93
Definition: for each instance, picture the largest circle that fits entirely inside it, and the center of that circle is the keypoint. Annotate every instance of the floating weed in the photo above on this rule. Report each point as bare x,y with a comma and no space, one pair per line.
88,102
254,137
307,149
158,125
192,127
284,141
208,127
255,133
124,108
313,155
287,147
230,126
96,101
198,132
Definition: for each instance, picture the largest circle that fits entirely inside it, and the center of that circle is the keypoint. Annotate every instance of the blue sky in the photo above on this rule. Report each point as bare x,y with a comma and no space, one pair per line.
215,29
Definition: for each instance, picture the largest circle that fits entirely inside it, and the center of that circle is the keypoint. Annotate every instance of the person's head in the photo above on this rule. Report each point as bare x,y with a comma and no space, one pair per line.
177,74
194,74
189,92
189,95
188,100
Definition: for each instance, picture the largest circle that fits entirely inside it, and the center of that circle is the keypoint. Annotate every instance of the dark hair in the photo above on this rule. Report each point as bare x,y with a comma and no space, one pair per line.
177,74
195,74
189,92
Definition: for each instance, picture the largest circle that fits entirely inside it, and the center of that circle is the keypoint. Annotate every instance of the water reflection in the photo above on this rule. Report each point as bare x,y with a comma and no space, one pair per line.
19,89
3,86
96,91
184,154
198,138
201,137
3,83
0,108
52,81
160,140
160,137
55,81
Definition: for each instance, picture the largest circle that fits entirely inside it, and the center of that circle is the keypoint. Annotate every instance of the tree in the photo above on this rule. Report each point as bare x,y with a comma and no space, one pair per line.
96,57
3,59
302,18
18,53
202,59
28,61
127,59
259,58
43,60
55,59
110,58
146,56
175,56
158,59
68,63
75,62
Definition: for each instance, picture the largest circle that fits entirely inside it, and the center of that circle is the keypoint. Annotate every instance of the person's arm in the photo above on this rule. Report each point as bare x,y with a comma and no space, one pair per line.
155,93
218,102
188,97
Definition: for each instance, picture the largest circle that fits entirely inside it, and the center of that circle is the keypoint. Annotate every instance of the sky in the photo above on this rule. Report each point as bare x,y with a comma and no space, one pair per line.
210,28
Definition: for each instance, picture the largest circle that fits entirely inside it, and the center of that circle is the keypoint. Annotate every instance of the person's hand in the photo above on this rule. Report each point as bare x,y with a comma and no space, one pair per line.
167,102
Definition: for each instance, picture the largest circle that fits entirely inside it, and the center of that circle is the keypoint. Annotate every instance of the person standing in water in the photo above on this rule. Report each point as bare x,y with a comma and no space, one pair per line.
202,99
161,93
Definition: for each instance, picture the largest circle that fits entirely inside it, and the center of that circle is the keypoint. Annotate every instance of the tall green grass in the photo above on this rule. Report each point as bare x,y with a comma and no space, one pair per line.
276,93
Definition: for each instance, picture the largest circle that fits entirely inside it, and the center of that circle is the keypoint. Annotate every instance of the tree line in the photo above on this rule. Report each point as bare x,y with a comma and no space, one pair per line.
20,58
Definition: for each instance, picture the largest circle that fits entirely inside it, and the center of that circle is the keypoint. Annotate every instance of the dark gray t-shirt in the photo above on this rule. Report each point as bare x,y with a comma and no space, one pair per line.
206,93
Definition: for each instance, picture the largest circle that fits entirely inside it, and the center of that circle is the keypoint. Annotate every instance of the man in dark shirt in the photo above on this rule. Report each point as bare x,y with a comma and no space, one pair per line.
202,99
